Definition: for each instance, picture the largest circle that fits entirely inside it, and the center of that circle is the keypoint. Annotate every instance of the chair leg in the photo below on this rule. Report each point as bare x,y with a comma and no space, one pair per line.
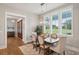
36,48
49,51
46,51
33,46
64,53
39,50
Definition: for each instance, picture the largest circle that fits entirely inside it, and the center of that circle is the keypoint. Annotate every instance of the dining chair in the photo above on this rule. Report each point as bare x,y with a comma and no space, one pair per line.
54,36
34,42
42,47
60,46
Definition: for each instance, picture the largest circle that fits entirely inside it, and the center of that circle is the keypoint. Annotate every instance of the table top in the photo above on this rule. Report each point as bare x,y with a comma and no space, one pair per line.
51,40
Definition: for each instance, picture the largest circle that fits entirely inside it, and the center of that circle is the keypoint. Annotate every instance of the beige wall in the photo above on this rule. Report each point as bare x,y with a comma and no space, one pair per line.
31,19
74,41
2,17
75,25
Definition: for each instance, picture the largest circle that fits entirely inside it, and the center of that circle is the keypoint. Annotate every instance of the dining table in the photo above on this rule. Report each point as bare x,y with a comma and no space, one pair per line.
57,45
51,40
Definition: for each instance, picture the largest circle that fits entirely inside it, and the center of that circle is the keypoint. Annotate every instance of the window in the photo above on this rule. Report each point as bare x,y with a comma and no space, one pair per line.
60,23
66,22
47,25
55,24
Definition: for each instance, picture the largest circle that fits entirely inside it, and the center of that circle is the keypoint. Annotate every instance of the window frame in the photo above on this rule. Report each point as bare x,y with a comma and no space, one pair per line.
52,21
45,24
69,9
59,13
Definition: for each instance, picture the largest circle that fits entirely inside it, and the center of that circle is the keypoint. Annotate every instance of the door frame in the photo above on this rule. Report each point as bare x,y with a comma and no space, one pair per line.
21,28
23,25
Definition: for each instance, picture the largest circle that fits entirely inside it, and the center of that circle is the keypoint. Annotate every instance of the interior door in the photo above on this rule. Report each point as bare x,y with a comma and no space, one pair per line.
19,29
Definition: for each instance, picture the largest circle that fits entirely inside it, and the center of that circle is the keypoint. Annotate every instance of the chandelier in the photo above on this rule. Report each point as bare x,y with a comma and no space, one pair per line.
43,7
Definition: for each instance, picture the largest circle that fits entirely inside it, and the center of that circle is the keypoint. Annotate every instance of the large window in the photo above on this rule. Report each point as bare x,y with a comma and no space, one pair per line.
47,25
60,23
66,22
54,24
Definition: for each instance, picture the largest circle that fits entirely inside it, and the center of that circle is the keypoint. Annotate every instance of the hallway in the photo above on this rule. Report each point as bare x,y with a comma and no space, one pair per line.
12,47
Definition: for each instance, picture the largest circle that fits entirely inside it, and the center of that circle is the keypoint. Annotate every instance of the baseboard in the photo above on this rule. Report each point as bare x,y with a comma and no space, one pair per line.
26,42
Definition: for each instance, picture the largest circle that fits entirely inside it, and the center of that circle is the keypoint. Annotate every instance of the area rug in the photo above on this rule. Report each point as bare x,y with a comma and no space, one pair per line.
28,50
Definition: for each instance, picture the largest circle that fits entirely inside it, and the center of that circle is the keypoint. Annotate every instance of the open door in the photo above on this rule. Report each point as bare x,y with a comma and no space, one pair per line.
19,29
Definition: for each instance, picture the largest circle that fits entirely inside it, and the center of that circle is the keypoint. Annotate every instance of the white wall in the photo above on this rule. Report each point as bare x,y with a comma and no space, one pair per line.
32,23
31,19
2,23
75,40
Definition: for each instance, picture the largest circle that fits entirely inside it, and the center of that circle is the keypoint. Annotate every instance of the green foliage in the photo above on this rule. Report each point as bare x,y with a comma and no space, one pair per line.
54,26
66,28
67,24
38,30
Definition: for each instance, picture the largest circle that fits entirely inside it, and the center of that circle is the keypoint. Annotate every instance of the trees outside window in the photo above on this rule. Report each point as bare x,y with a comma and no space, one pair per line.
47,25
66,22
54,24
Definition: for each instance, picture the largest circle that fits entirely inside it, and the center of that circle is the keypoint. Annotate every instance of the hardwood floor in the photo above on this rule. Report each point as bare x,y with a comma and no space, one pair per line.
12,47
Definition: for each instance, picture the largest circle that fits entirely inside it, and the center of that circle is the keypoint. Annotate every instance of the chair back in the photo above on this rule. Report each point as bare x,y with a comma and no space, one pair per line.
41,40
54,36
34,37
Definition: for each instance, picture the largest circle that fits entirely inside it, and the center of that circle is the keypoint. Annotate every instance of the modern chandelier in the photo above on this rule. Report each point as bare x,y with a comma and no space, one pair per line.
43,7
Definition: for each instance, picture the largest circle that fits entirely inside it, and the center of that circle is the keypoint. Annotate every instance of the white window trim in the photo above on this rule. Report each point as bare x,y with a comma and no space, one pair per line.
71,23
60,19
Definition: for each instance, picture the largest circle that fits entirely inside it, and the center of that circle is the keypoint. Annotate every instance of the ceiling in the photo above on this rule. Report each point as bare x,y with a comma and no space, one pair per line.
33,7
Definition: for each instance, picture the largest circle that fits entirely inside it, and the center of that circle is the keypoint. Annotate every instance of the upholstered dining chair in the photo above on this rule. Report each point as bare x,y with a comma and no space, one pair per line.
34,42
42,47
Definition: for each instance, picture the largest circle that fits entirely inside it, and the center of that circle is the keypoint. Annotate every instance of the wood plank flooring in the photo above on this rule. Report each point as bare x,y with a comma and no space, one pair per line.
12,47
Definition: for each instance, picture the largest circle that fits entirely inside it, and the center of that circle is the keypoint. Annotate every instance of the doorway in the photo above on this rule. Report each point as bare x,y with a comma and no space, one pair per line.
19,29
14,31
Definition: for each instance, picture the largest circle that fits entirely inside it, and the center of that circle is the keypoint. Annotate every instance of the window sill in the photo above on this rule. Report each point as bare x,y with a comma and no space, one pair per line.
65,35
